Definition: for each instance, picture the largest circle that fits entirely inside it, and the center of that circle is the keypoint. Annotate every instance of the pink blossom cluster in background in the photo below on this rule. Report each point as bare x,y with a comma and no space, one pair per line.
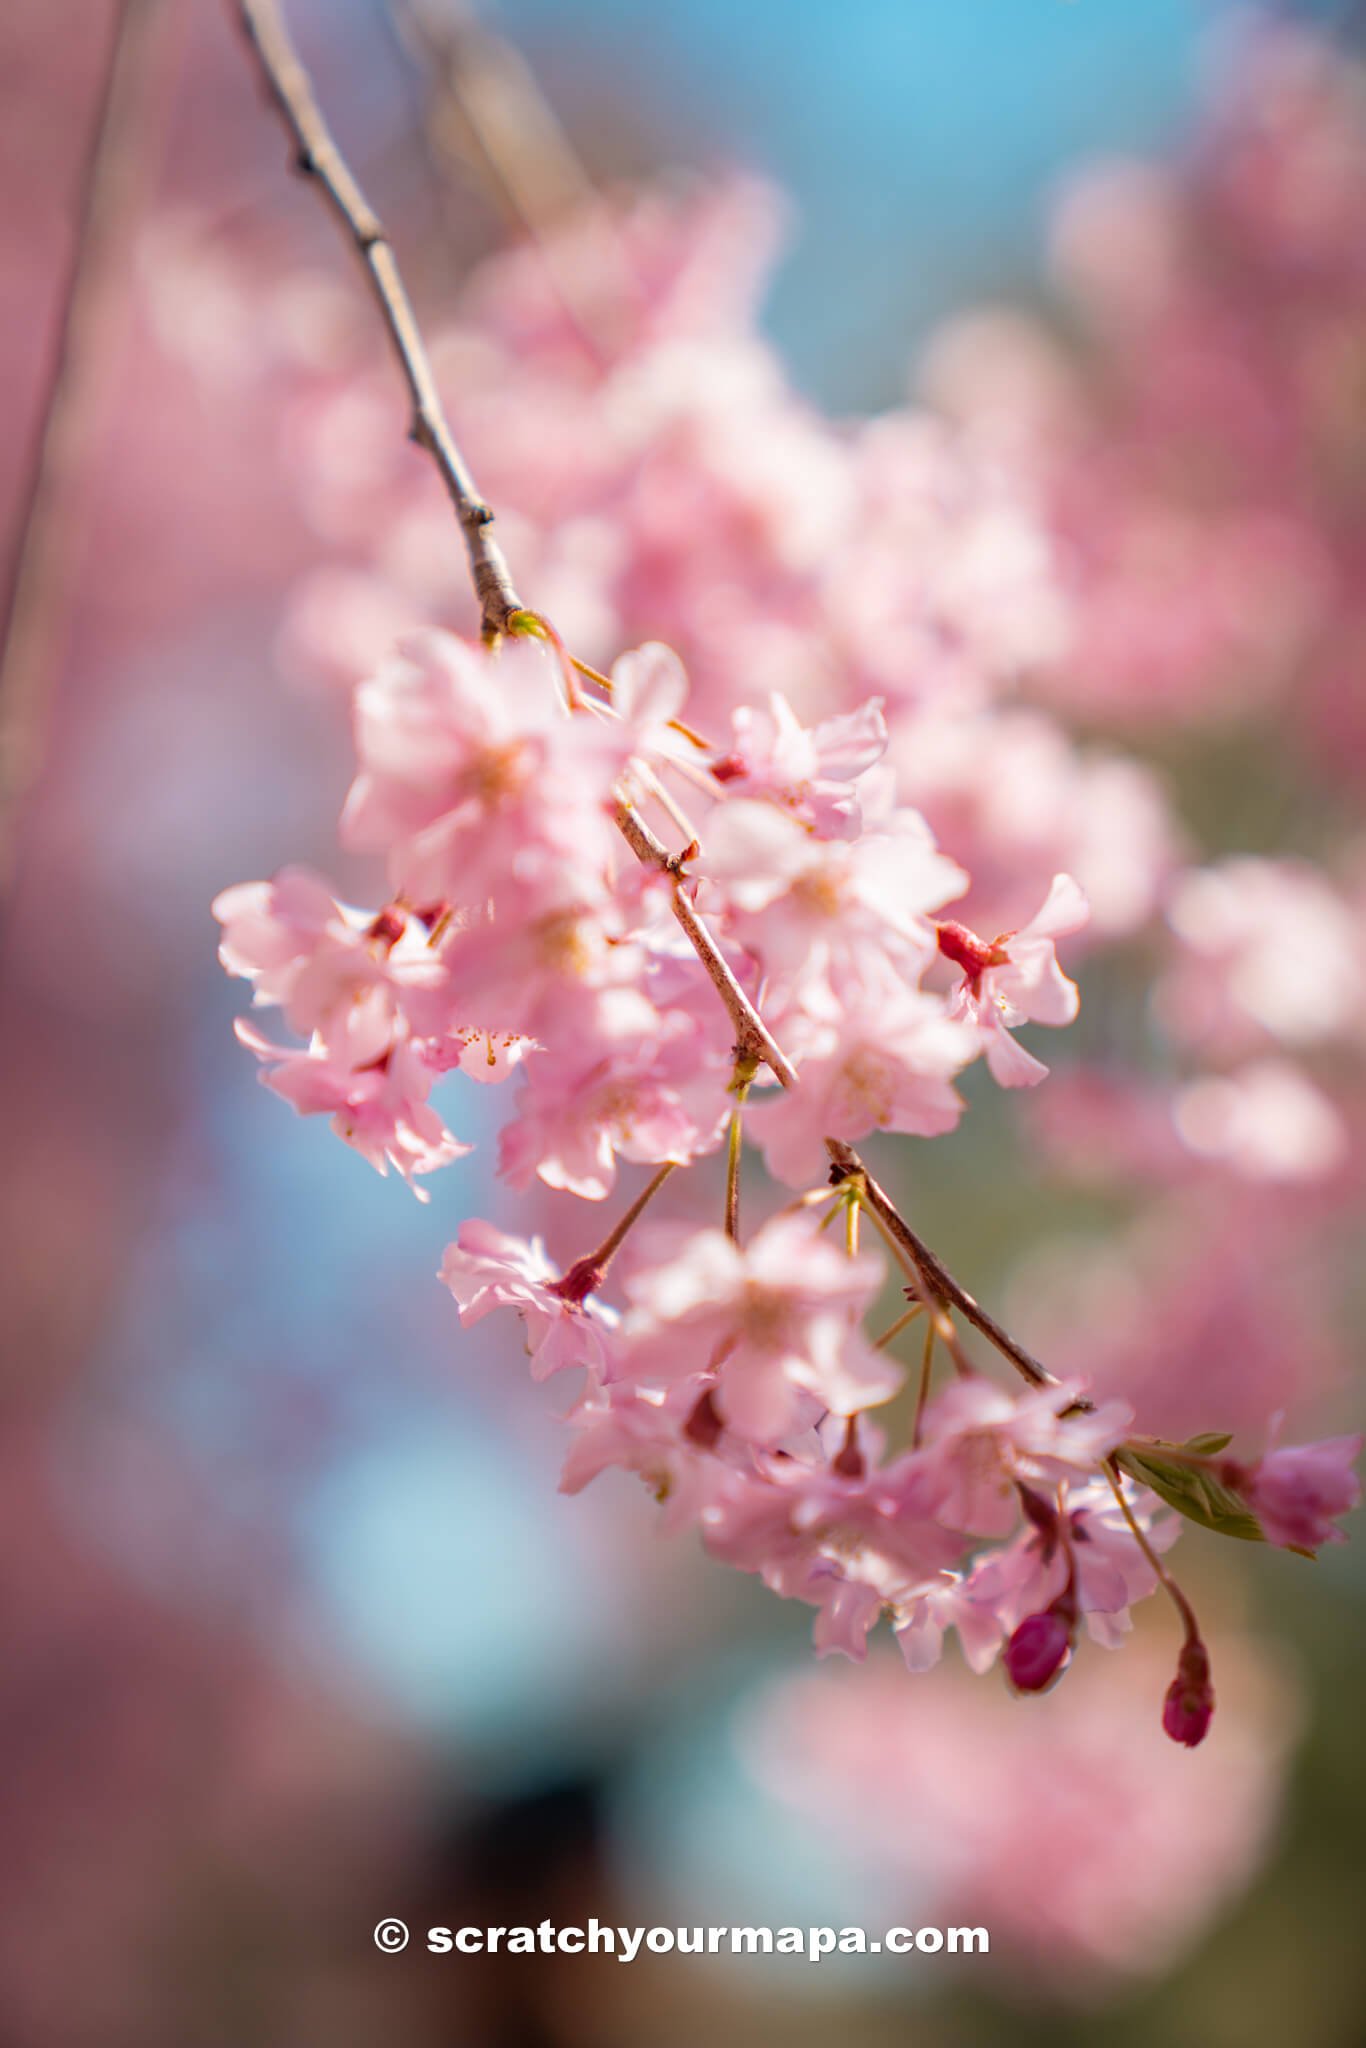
1086,1846
1197,440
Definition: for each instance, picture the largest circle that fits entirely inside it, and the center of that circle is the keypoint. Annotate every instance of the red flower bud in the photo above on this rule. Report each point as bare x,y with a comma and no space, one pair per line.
1189,1706
1039,1649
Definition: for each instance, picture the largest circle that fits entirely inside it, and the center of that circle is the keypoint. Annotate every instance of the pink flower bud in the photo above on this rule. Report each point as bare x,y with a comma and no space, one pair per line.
1296,1492
1039,1649
1189,1706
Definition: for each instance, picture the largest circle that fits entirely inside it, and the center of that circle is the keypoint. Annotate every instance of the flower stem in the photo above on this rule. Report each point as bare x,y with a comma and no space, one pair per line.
734,1146
923,1391
916,1309
1165,1579
933,1282
926,1298
586,1275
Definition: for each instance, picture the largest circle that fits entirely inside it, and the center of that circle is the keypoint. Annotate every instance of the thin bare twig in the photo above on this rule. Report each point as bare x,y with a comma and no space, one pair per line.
1115,1476
752,1035
319,158
922,1393
111,183
586,1275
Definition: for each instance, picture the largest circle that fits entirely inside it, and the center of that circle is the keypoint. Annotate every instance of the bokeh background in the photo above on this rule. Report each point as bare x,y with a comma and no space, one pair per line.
297,1631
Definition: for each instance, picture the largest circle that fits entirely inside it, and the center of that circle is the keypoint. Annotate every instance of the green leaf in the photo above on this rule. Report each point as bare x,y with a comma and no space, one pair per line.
1196,1494
1209,1446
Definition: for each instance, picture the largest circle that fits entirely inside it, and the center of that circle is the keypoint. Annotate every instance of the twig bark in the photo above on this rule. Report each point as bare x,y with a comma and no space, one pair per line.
319,158
752,1035
111,182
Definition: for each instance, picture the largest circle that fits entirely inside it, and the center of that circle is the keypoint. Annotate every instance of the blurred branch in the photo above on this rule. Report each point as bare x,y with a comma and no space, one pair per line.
488,106
112,180
487,113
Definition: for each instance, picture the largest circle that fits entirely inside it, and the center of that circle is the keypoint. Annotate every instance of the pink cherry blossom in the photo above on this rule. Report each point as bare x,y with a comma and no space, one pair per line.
645,1098
380,1110
925,1613
456,749
981,1442
357,981
486,1269
771,1320
886,1065
816,912
835,730
1297,1492
813,771
1016,980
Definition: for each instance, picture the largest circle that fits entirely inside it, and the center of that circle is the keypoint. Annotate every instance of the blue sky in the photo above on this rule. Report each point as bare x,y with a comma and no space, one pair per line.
920,139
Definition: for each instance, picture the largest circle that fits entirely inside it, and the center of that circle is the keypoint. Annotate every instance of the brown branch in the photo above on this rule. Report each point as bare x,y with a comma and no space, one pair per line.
111,182
752,1035
319,158
934,1275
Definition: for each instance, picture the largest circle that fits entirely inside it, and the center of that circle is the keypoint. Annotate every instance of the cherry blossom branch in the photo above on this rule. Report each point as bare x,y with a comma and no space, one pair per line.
941,1322
319,158
752,1035
934,1274
502,610
111,181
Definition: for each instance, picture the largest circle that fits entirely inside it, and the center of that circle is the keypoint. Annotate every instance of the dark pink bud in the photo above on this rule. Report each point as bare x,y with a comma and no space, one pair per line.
1038,1650
704,1426
1189,1706
849,1460
967,951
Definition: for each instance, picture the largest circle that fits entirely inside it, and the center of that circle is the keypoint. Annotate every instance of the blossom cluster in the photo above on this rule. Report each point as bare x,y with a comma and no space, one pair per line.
537,931
778,876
